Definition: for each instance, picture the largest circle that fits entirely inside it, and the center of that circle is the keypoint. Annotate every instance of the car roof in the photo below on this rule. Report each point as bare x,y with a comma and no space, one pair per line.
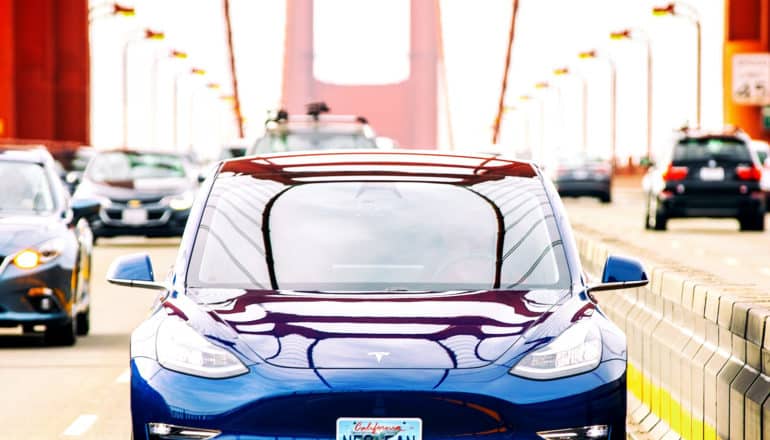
390,165
25,153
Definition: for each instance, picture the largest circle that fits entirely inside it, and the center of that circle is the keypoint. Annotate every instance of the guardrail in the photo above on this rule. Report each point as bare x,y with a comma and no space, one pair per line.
698,350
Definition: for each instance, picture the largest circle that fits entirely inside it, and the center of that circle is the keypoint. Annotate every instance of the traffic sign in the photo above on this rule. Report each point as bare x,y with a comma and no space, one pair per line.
751,78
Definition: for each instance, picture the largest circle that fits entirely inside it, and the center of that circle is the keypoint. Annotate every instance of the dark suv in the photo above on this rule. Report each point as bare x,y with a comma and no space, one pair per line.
709,175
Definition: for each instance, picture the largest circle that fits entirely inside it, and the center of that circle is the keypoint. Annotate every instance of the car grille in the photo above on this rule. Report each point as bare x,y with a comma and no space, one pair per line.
144,200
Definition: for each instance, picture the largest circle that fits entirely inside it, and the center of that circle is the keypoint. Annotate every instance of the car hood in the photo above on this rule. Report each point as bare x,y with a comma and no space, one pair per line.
405,331
138,189
20,232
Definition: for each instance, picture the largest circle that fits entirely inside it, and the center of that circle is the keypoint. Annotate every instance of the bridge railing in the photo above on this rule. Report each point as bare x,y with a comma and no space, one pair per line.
698,350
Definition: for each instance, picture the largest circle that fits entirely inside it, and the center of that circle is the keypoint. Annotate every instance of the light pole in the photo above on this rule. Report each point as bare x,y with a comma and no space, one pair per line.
678,9
592,54
173,55
193,71
526,122
191,114
639,35
564,71
542,86
149,34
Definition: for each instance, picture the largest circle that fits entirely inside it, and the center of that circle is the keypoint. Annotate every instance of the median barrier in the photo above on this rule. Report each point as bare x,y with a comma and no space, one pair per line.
698,349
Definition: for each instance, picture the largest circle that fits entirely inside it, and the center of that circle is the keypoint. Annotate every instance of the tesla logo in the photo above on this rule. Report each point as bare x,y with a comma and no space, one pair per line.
379,355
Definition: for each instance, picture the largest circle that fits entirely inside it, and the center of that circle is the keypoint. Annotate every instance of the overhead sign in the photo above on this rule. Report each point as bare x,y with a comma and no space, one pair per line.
751,78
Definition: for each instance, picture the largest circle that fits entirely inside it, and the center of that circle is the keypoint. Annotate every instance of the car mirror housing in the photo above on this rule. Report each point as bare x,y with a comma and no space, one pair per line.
621,273
134,270
84,208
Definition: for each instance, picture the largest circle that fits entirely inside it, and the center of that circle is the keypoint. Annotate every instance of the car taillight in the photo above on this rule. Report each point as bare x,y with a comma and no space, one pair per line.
602,169
675,173
748,173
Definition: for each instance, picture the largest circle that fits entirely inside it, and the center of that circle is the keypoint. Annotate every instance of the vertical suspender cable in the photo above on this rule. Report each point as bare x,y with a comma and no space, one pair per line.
501,102
444,81
234,74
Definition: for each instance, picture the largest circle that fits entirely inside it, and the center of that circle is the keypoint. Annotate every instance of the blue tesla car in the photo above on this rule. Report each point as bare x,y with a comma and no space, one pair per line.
377,295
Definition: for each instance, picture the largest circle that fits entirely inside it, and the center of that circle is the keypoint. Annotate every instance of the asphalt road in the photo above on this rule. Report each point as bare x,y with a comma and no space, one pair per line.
715,246
79,392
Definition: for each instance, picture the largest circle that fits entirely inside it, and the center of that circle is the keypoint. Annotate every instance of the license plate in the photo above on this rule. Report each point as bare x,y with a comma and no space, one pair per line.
712,174
134,216
351,428
580,175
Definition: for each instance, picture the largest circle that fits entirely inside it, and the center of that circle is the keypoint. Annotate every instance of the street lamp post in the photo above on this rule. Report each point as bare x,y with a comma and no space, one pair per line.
191,114
563,71
173,55
193,71
592,54
542,86
148,35
678,9
638,35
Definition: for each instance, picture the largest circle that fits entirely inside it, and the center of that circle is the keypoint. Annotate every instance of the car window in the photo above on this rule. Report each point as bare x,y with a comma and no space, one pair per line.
120,166
375,236
711,148
25,187
310,140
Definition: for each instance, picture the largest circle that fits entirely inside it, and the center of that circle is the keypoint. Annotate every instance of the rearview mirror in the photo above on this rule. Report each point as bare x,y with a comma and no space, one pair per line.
134,270
621,273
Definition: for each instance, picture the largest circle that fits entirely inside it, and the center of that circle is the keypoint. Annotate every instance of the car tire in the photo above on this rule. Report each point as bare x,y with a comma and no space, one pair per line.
63,334
754,223
659,220
605,198
83,322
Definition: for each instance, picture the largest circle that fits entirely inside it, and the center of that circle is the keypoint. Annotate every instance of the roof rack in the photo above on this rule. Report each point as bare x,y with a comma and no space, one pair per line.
314,112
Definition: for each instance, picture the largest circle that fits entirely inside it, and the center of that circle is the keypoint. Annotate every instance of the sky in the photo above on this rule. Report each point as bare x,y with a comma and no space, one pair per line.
550,34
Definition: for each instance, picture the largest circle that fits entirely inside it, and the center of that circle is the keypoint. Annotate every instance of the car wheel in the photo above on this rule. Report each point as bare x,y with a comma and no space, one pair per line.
605,198
754,223
647,219
64,334
83,322
661,220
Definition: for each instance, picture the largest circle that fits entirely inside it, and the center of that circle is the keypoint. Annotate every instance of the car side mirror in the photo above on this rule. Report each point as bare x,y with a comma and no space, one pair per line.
134,270
84,208
621,273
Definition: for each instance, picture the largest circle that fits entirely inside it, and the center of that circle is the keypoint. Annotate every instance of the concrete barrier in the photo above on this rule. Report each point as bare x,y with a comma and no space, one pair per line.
698,350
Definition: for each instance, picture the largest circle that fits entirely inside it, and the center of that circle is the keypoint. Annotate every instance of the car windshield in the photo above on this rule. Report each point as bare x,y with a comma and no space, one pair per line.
377,236
25,188
313,140
696,149
122,166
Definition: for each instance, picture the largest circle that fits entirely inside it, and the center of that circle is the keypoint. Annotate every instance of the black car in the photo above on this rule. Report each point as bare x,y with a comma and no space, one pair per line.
45,249
142,193
582,175
708,175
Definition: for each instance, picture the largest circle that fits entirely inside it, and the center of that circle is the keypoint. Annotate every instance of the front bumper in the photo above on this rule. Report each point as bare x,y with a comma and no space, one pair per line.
273,402
162,221
36,296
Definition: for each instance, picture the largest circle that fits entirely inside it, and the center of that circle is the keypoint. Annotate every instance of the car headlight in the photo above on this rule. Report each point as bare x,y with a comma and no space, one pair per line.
43,253
577,350
181,202
180,348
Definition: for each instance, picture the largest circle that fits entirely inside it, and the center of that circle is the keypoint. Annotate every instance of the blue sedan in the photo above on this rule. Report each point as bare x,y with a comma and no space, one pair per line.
377,295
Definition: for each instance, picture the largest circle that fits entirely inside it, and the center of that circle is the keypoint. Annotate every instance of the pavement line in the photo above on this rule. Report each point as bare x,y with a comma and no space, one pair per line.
124,377
79,427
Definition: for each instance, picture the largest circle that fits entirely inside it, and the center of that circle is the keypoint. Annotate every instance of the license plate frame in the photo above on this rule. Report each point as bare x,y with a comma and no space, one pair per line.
712,174
357,428
134,216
